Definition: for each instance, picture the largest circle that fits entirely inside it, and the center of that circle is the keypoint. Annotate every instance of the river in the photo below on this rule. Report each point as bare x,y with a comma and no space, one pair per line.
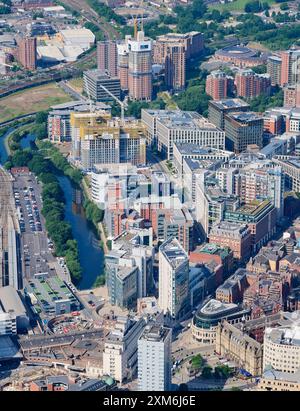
90,252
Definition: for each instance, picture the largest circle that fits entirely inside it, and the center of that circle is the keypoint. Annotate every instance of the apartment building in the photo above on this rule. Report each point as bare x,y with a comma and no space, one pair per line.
217,85
250,84
154,359
107,57
120,348
27,53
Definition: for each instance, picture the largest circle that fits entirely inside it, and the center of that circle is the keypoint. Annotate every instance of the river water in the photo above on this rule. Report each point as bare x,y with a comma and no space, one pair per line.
90,252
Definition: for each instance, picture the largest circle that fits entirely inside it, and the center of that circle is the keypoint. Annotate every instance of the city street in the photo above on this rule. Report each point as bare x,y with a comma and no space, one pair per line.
37,251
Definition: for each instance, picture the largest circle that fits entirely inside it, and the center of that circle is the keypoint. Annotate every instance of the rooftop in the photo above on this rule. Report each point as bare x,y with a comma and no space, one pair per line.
173,252
229,104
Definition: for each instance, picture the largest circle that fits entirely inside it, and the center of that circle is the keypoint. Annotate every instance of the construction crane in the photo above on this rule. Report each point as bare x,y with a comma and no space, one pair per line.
6,65
88,93
123,104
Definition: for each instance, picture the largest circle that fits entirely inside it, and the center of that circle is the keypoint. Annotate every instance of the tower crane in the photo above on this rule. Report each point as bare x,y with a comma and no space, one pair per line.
123,104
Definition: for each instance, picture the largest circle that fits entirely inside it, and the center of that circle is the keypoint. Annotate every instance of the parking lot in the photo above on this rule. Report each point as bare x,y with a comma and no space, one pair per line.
37,248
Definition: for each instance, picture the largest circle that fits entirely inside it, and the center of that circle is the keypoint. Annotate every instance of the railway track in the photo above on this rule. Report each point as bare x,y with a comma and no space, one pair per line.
90,15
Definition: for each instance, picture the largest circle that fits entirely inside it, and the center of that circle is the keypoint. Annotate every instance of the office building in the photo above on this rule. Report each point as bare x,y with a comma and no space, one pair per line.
282,348
274,69
235,344
120,348
170,127
27,53
218,109
250,84
129,270
261,218
94,80
217,85
232,290
169,218
273,380
235,236
173,279
154,359
210,314
188,151
107,57
175,66
211,204
243,129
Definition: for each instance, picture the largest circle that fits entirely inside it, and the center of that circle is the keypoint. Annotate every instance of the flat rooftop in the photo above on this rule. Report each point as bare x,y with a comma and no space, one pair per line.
49,290
173,252
229,104
244,117
194,149
155,333
284,335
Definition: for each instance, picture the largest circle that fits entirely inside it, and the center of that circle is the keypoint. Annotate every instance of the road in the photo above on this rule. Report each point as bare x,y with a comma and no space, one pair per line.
37,257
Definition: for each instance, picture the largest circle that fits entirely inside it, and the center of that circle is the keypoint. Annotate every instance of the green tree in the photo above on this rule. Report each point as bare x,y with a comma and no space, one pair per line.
197,362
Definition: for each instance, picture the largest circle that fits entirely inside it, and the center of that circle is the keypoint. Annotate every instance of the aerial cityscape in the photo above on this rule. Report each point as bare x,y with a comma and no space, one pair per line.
150,195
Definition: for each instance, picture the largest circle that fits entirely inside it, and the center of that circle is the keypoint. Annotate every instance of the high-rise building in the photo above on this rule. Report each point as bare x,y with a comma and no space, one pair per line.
274,69
107,57
249,84
154,359
27,53
192,42
59,126
100,139
290,73
123,63
140,68
243,129
175,67
217,85
173,295
120,348
131,262
291,93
